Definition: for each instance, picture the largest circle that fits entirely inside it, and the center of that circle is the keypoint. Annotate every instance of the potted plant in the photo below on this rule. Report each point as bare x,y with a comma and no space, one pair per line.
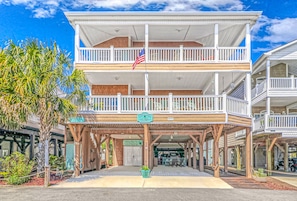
260,175
145,171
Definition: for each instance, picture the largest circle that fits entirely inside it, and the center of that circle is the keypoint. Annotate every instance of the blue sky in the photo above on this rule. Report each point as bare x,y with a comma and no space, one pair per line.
45,20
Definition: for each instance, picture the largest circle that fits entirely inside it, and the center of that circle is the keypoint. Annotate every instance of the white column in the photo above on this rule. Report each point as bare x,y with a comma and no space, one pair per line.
76,43
216,41
248,42
112,53
216,91
268,86
146,43
146,90
248,90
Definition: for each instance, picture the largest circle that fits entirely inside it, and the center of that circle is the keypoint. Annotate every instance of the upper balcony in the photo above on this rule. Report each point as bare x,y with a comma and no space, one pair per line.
164,55
168,38
278,87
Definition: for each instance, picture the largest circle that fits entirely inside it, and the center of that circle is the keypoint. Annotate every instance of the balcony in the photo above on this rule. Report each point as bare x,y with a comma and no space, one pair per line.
278,87
163,55
276,124
164,104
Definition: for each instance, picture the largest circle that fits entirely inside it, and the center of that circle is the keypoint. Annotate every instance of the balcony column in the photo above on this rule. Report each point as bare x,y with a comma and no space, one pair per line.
216,42
76,43
248,93
268,86
248,42
146,42
146,90
216,91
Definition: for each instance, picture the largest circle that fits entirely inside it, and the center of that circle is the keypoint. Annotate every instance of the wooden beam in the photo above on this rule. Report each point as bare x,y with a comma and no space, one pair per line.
141,137
155,140
248,150
146,145
73,132
194,139
272,144
235,129
217,131
280,147
225,152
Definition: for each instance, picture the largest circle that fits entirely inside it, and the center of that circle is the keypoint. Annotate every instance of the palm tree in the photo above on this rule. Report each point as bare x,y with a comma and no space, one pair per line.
36,79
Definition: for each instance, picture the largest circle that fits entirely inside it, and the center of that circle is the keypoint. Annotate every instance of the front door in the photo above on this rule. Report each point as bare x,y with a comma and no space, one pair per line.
132,155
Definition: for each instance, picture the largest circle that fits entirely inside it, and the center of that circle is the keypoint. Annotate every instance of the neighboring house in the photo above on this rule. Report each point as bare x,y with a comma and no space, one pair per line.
26,139
178,94
274,102
274,108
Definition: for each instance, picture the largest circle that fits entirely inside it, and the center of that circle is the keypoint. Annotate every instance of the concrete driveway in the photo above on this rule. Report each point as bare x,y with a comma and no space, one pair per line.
130,177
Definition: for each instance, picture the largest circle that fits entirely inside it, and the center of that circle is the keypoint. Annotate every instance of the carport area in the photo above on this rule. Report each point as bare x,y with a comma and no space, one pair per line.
130,177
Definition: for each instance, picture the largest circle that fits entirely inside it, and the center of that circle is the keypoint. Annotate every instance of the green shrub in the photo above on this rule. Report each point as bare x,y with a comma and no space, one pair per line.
145,167
16,167
57,163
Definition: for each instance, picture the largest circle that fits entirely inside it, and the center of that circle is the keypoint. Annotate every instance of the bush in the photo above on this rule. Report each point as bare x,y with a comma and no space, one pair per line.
57,163
16,168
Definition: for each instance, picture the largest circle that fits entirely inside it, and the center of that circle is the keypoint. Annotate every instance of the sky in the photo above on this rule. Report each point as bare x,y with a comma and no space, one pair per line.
45,19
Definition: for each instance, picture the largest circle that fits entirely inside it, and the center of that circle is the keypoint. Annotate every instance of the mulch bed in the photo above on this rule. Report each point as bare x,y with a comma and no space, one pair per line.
275,184
245,183
37,181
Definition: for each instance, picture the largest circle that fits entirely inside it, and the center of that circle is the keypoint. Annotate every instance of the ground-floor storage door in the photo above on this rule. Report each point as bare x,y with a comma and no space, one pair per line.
132,155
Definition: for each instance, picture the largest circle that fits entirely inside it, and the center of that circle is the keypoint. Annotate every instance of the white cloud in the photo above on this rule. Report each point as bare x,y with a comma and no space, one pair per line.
275,30
47,8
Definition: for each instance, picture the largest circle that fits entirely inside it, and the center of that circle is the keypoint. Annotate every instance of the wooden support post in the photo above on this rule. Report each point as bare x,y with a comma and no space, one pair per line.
194,155
268,157
186,151
225,152
65,141
238,158
189,154
98,151
286,157
55,146
248,153
217,131
146,145
206,154
76,131
201,143
107,143
32,144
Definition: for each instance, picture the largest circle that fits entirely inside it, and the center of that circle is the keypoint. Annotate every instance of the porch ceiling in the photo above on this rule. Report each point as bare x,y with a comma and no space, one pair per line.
96,27
277,102
164,80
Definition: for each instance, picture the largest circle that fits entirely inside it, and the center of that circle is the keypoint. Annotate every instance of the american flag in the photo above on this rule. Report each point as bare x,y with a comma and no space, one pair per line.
139,59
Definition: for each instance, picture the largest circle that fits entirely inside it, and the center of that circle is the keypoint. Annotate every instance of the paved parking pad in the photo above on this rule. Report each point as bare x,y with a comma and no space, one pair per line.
130,177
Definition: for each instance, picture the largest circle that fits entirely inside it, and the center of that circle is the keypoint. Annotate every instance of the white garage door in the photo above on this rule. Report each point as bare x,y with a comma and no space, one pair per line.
132,155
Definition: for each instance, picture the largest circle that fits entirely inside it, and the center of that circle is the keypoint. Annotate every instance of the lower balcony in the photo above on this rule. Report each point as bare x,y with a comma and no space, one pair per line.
286,124
164,104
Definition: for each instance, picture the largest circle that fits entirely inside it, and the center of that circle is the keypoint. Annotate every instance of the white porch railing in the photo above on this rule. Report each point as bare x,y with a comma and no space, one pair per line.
278,123
165,104
283,83
236,106
259,123
162,54
282,121
259,89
